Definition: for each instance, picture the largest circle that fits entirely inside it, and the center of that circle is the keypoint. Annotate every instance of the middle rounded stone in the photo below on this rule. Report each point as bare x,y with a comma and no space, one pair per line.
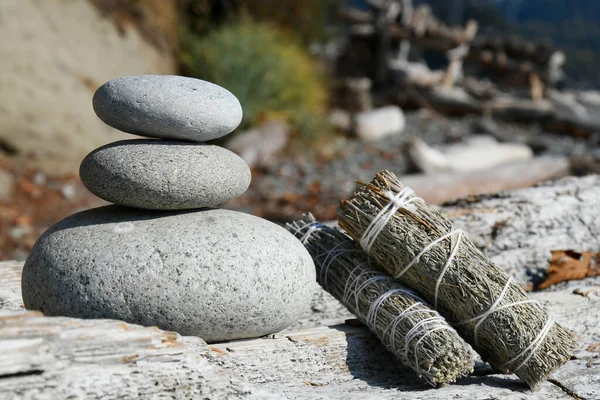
164,175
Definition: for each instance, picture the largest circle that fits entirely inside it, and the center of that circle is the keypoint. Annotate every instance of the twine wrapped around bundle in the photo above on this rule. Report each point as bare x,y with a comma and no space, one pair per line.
410,329
419,247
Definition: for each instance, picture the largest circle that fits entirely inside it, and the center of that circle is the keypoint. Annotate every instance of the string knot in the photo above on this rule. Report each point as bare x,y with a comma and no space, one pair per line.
401,200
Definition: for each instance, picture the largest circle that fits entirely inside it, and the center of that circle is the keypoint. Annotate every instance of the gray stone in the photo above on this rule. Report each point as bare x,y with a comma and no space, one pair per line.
164,175
379,123
217,274
168,107
259,145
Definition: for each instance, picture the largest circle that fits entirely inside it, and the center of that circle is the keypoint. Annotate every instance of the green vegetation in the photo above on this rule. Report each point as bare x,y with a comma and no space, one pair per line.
268,71
307,20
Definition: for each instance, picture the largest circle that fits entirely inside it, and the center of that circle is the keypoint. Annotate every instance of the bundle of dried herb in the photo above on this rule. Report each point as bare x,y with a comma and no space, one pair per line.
410,329
419,247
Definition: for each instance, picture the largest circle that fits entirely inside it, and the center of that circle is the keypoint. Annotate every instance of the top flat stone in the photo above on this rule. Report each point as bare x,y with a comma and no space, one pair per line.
168,107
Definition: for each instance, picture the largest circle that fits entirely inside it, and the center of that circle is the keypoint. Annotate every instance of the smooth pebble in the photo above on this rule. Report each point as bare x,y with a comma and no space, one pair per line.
164,175
168,107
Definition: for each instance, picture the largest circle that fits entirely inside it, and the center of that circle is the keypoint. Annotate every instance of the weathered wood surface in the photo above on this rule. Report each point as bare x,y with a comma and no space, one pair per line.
441,187
518,229
59,358
56,357
348,362
50,357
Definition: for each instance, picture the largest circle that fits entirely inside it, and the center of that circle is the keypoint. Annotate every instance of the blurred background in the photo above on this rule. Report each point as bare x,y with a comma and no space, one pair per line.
458,97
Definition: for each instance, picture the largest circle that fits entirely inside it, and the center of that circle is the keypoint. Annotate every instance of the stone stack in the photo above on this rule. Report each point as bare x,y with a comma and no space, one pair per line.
160,256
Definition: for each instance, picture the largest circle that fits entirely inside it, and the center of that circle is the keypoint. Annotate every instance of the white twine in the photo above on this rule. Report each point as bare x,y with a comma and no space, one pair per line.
533,346
494,308
394,323
442,326
348,288
347,292
457,236
313,227
404,199
330,256
421,329
375,305
310,228
325,264
396,320
400,200
364,285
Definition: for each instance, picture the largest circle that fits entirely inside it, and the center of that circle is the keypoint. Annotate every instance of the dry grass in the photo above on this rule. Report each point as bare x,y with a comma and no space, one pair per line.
157,20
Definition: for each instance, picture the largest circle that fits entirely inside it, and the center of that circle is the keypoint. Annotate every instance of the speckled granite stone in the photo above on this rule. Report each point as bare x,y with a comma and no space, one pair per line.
214,273
168,107
164,175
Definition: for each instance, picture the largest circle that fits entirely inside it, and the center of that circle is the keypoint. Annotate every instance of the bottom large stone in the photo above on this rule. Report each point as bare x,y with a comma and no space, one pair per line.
212,273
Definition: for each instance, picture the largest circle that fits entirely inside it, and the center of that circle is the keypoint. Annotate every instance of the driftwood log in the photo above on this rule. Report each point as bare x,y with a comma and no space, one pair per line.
97,358
438,188
518,229
319,359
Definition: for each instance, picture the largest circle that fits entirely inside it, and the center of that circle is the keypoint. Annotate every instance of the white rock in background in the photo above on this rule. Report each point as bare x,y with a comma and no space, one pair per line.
474,154
379,123
259,145
426,158
340,119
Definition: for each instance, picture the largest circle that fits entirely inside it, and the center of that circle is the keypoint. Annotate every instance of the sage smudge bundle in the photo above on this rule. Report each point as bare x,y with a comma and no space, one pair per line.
419,247
418,335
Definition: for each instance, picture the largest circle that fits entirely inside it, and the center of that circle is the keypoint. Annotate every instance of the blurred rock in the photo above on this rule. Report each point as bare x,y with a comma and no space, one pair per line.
340,120
68,191
475,154
259,145
379,123
39,179
53,56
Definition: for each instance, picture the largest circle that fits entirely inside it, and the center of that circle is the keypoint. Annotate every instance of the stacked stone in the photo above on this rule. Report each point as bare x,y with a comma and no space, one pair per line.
160,256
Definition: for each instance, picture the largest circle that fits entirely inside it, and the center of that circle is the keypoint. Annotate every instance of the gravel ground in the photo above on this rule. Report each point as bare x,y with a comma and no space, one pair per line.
291,185
294,184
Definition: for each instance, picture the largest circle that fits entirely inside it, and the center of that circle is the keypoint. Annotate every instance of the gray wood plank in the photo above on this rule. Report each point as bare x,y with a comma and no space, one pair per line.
55,357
